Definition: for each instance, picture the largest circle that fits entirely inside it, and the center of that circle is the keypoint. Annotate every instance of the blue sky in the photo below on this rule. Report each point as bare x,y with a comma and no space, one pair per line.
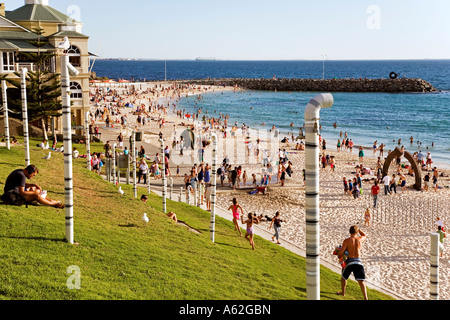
263,29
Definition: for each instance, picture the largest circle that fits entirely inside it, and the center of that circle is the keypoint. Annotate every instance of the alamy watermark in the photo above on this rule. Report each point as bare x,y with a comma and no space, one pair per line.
74,12
74,280
373,22
262,146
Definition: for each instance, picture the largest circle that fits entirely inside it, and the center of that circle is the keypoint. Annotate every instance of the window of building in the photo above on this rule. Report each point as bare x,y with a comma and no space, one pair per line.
8,61
74,54
76,91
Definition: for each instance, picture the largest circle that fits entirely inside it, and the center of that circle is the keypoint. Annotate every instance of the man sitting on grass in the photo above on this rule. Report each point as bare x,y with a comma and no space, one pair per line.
17,192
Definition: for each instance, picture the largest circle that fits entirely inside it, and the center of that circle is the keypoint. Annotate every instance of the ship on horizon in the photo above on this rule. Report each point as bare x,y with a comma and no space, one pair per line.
206,59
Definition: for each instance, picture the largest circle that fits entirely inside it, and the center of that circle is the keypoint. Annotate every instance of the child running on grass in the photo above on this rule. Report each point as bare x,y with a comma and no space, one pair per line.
250,232
235,210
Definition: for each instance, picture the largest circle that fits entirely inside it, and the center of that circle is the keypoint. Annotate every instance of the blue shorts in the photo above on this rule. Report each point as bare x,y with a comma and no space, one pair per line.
354,265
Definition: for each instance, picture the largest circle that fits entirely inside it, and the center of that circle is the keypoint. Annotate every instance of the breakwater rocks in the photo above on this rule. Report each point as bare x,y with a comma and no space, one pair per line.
327,85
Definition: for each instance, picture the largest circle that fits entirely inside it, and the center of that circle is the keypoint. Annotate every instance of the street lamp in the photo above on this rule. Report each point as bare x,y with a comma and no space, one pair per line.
312,117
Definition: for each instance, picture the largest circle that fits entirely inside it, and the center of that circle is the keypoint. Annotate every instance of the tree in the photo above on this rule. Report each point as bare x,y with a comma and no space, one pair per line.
43,86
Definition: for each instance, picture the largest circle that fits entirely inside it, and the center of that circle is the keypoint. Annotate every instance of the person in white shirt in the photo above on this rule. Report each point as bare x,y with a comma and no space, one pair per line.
75,153
143,170
386,181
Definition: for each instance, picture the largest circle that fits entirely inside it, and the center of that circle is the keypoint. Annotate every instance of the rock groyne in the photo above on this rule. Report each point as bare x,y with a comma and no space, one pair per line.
328,85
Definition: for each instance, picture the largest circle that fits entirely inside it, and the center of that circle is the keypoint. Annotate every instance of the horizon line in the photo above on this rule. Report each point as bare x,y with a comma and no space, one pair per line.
195,59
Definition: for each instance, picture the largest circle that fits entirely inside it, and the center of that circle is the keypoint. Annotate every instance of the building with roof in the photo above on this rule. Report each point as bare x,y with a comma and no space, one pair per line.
17,30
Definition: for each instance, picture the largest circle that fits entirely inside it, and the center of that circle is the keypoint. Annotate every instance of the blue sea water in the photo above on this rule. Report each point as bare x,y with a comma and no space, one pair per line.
365,117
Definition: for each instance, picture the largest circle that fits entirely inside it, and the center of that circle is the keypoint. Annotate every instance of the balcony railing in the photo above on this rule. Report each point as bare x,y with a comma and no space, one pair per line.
28,65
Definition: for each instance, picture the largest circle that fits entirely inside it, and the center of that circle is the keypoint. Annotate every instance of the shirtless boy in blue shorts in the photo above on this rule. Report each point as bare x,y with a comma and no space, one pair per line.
353,246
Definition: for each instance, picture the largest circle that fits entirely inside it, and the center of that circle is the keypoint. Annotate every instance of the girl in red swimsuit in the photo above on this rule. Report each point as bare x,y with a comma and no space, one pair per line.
236,216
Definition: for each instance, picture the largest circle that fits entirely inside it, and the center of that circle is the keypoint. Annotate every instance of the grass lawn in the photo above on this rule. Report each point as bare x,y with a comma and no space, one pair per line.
119,257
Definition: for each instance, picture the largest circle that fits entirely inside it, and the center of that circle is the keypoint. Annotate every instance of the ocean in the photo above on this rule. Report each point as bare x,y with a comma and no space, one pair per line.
365,117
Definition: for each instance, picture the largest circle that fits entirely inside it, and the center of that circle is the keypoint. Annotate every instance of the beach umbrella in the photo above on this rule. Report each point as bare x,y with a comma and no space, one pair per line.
312,116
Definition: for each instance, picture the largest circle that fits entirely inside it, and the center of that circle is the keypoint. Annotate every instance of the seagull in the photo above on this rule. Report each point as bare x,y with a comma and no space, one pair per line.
145,218
121,191
48,157
65,45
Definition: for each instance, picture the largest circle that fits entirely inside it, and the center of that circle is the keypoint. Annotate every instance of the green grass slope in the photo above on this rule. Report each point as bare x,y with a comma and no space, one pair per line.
119,257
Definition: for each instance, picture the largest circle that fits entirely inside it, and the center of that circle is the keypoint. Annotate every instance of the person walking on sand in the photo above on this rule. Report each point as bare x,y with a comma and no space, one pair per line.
375,190
393,185
435,179
235,207
354,265
361,154
367,218
381,155
276,222
249,235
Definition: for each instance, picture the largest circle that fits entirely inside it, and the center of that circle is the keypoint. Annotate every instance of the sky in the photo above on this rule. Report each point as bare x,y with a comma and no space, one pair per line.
262,29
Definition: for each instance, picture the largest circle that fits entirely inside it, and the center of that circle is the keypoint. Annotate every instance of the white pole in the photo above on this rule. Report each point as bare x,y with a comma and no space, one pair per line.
67,131
114,164
88,141
171,187
25,116
312,117
133,157
214,187
195,194
434,267
163,174
6,116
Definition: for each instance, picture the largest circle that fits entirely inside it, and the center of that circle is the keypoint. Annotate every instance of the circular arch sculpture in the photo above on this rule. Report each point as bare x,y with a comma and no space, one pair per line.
417,170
